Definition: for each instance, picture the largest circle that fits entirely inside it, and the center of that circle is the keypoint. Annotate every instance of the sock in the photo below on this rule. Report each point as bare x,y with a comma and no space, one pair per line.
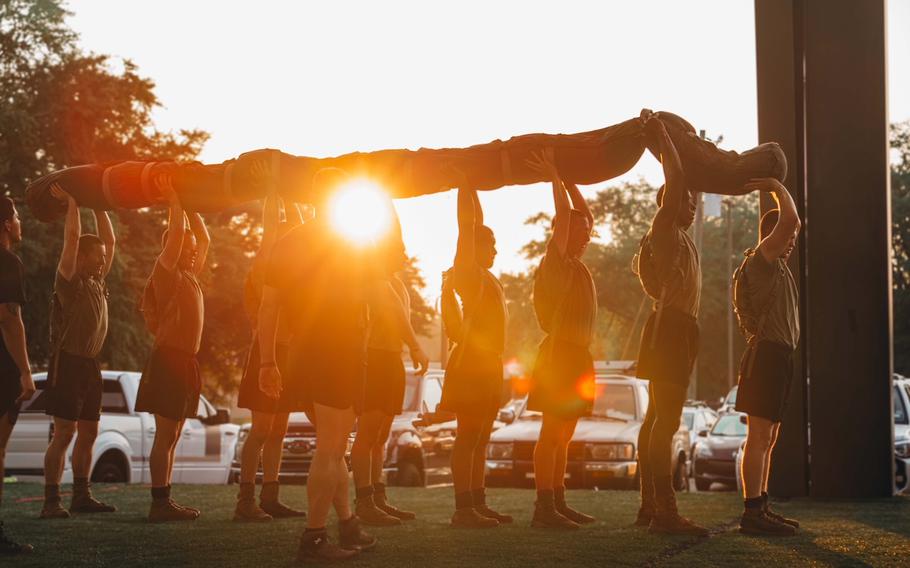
479,496
379,488
80,485
545,496
464,500
559,495
52,492
363,492
269,492
161,493
753,504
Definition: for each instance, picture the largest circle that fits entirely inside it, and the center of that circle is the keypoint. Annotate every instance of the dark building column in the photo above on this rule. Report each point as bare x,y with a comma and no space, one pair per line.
821,94
780,119
848,245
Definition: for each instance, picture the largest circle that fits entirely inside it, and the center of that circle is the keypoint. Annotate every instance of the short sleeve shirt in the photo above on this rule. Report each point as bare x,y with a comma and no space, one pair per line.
484,307
12,291
181,306
772,289
565,299
682,273
84,303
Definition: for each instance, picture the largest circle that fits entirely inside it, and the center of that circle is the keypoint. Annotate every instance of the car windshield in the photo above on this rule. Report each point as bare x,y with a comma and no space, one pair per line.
689,418
729,425
611,402
900,412
731,398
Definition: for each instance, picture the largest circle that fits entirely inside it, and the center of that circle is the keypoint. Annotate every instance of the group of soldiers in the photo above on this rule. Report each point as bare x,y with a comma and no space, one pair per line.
331,318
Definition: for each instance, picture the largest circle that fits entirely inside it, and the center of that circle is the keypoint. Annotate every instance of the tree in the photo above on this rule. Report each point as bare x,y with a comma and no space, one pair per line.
900,239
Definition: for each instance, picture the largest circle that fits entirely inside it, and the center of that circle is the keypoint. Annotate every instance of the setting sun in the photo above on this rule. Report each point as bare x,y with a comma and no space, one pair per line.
360,211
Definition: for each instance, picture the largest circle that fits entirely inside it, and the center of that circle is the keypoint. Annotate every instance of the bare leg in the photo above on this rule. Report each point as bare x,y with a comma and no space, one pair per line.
566,431
6,428
273,447
755,456
161,458
545,458
369,427
479,459
775,432
466,439
378,458
86,433
55,457
331,443
253,446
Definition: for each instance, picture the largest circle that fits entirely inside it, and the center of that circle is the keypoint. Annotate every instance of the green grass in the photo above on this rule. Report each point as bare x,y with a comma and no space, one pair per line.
835,534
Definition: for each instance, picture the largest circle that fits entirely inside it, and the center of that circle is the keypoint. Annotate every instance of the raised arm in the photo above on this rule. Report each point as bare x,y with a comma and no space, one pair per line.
450,308
776,244
464,251
544,163
579,203
106,234
13,334
674,183
203,240
176,225
72,230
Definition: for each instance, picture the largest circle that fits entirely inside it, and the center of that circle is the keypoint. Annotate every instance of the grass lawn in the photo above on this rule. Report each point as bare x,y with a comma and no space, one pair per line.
834,533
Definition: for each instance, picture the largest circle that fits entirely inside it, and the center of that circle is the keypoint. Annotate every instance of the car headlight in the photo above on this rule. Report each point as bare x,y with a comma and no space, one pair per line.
609,452
703,451
500,450
902,449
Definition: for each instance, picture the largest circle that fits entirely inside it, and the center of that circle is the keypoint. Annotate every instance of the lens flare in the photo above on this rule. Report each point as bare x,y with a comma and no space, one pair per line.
360,211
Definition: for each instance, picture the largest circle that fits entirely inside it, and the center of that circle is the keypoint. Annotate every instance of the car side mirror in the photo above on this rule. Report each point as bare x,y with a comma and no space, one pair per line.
506,415
744,419
702,433
221,416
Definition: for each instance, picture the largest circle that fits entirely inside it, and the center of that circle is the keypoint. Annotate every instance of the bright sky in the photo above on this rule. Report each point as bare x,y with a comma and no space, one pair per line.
331,77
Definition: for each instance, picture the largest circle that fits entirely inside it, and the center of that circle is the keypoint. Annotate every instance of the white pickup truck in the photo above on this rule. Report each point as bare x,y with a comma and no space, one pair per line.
125,439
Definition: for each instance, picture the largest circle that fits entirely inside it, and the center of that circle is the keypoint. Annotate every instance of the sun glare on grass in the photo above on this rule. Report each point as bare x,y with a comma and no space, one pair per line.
360,212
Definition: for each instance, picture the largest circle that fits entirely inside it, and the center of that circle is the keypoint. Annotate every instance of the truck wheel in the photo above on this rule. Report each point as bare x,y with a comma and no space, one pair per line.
110,468
408,475
702,484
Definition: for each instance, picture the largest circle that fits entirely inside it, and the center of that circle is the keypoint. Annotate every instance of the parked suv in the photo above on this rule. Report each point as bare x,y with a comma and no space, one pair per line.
124,443
603,451
714,457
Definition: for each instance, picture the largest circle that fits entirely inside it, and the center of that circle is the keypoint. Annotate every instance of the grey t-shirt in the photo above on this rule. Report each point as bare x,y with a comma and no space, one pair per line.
84,302
781,323
179,297
682,268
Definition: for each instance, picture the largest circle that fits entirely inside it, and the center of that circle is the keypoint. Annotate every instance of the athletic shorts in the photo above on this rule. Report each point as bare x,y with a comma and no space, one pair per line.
385,382
10,389
668,354
74,388
252,398
473,383
170,384
563,380
330,375
765,377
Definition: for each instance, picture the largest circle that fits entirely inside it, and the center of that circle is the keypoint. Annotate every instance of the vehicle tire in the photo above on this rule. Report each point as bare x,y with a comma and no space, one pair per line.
408,475
702,484
111,468
680,480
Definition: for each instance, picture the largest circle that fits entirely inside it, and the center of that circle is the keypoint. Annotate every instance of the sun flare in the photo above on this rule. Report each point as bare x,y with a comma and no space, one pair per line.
360,211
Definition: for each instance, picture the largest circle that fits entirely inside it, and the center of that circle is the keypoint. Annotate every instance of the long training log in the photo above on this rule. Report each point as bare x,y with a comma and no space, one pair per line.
584,158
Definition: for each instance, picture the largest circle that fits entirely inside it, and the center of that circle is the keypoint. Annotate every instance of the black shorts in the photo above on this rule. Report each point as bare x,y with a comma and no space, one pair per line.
385,382
765,376
170,384
250,397
669,356
473,383
74,388
326,375
563,380
10,389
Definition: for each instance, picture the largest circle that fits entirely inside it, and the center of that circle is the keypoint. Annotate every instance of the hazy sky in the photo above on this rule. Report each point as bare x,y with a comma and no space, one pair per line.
327,78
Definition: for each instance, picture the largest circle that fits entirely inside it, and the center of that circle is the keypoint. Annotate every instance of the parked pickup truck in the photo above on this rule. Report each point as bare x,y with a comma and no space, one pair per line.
125,439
